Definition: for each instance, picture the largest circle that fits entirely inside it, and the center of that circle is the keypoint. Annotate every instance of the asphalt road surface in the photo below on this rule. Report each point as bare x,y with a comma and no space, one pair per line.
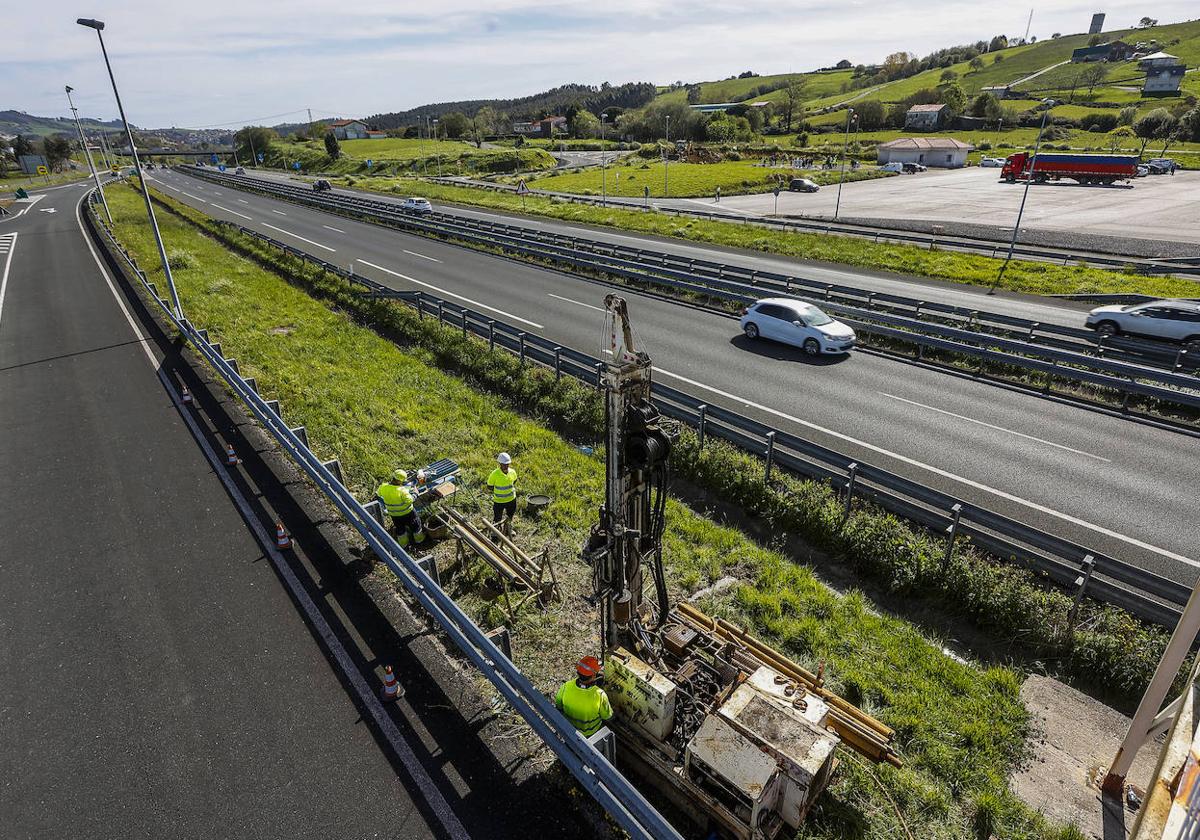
156,677
1112,484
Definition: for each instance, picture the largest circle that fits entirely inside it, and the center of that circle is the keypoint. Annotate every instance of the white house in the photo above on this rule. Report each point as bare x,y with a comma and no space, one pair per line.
349,129
940,152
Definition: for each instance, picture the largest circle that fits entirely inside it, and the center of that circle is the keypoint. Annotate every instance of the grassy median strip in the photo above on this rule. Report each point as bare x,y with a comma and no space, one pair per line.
375,404
1027,276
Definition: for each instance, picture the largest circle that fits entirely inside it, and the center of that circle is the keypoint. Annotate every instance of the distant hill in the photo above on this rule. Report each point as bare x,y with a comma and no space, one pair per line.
18,122
554,101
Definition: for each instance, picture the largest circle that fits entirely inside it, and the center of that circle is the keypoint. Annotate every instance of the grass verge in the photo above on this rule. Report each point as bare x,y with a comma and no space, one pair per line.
1021,276
375,405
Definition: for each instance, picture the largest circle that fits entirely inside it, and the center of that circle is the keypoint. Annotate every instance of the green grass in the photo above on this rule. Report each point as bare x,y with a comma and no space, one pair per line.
1021,276
961,728
398,156
16,179
406,149
631,177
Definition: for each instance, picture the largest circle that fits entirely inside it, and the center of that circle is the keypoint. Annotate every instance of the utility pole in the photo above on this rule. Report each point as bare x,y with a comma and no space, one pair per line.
88,154
1012,244
253,153
310,122
667,161
845,150
603,163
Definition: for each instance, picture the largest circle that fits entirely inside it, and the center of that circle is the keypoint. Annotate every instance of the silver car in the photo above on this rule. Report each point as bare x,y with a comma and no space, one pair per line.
1167,320
798,323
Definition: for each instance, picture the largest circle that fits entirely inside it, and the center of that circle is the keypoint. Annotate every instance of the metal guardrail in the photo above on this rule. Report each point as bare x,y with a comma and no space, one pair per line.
1145,594
1120,376
589,767
979,245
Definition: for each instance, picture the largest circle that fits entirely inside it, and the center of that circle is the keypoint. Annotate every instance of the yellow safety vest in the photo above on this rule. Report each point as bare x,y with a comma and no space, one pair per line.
503,485
586,708
397,501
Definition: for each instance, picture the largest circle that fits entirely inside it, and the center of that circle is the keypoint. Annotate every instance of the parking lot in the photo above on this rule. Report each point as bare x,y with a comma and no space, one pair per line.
1163,207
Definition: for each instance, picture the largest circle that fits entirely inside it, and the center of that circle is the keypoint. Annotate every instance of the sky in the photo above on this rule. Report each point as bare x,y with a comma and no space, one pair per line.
220,63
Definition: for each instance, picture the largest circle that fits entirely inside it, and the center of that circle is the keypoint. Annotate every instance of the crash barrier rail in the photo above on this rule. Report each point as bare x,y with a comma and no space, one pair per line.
1119,376
974,320
1081,570
591,769
962,242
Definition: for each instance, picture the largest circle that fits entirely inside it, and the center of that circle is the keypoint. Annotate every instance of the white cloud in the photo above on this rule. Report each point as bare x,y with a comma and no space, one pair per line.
225,60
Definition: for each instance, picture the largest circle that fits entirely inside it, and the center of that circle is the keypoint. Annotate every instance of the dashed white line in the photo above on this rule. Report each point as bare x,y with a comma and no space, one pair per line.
442,291
198,198
280,212
227,210
1099,529
576,302
243,201
301,238
422,256
331,227
11,238
991,426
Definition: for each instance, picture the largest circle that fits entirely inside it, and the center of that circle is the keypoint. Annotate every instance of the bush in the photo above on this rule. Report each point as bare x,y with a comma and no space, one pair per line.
985,146
1098,122
180,260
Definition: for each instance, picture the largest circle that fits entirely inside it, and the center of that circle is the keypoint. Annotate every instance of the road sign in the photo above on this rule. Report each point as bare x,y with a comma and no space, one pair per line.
213,158
221,167
20,193
296,166
522,188
370,163
261,156
776,191
41,170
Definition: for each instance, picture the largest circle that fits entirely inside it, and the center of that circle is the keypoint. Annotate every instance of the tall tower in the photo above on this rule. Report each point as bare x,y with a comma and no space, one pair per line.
1097,23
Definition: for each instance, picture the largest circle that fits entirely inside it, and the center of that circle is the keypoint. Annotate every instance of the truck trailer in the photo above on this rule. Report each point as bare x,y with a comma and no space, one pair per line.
1086,169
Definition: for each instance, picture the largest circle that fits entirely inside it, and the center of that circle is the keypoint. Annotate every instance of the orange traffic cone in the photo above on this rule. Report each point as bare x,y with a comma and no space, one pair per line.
391,688
282,540
231,458
187,396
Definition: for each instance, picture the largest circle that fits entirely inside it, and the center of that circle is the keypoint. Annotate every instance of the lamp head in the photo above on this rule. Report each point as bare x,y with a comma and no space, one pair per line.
69,88
90,23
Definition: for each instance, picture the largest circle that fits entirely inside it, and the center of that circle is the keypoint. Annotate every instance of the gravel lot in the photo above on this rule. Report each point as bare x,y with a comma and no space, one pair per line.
1157,207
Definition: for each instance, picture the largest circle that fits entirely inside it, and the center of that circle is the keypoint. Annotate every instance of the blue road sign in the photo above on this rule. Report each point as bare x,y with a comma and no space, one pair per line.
221,167
214,158
370,163
261,156
296,166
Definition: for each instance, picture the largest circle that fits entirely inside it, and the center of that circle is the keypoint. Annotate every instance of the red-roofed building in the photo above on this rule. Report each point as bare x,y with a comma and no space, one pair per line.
349,129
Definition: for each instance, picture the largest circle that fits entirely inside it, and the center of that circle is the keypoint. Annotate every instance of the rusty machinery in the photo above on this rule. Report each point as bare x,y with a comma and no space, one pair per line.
737,735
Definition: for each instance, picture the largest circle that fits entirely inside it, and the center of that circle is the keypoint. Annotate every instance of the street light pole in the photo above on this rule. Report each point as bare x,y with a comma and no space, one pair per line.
88,154
98,25
1012,244
667,161
603,162
845,149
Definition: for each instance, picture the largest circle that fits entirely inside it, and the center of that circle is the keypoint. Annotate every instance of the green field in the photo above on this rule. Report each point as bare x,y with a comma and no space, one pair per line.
687,180
395,155
960,727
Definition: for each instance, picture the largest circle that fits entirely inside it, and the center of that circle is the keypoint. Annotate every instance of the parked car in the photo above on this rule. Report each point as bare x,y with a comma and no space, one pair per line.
420,206
802,185
797,323
911,167
321,185
1161,166
991,163
1169,320
894,166
199,164
1142,171
241,170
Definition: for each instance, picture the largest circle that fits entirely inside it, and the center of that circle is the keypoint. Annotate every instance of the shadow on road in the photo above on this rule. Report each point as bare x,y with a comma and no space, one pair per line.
785,352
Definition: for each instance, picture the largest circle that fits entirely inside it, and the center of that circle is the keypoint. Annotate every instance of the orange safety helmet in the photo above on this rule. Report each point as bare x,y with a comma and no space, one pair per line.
589,667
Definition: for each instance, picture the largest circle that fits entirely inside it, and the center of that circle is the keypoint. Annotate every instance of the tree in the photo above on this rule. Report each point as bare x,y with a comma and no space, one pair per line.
1127,115
57,150
454,124
948,76
1055,36
1147,22
1189,126
976,64
871,114
1159,124
22,146
693,94
332,147
1093,75
584,125
952,95
254,139
987,106
484,123
793,103
998,43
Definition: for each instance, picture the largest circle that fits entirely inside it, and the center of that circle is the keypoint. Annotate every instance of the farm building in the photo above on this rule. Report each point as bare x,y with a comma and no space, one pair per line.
926,117
540,128
1115,51
939,152
349,129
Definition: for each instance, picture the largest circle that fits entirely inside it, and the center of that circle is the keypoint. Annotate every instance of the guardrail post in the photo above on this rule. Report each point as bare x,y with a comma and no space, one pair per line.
420,308
521,339
1032,327
462,314
274,406
216,346
770,455
375,510
335,467
1081,583
871,300
557,363
828,287
301,433
441,313
951,533
754,278
702,422
599,376
233,364
851,479
1180,357
1125,396
491,335
429,564
502,638
253,383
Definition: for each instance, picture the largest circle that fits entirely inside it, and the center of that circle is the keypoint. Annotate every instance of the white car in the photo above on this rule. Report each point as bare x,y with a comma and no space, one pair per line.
894,166
416,205
991,163
797,323
1169,320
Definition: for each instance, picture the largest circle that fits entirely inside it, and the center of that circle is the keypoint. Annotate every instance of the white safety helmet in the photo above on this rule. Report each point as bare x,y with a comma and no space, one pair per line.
504,458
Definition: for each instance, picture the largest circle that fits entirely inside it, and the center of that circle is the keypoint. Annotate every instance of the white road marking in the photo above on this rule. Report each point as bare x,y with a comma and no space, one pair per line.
1099,529
451,294
422,256
331,227
715,206
366,694
227,210
28,202
576,302
997,428
243,201
11,239
301,238
280,212
198,198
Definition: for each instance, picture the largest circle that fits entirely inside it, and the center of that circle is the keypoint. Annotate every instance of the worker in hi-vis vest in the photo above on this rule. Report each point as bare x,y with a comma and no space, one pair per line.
582,701
397,502
503,482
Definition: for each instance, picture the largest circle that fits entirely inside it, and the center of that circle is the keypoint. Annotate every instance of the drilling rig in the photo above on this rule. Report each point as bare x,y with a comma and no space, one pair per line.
735,734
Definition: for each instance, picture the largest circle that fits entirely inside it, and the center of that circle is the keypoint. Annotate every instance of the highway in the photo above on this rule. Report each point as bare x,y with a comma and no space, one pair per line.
1118,486
164,671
